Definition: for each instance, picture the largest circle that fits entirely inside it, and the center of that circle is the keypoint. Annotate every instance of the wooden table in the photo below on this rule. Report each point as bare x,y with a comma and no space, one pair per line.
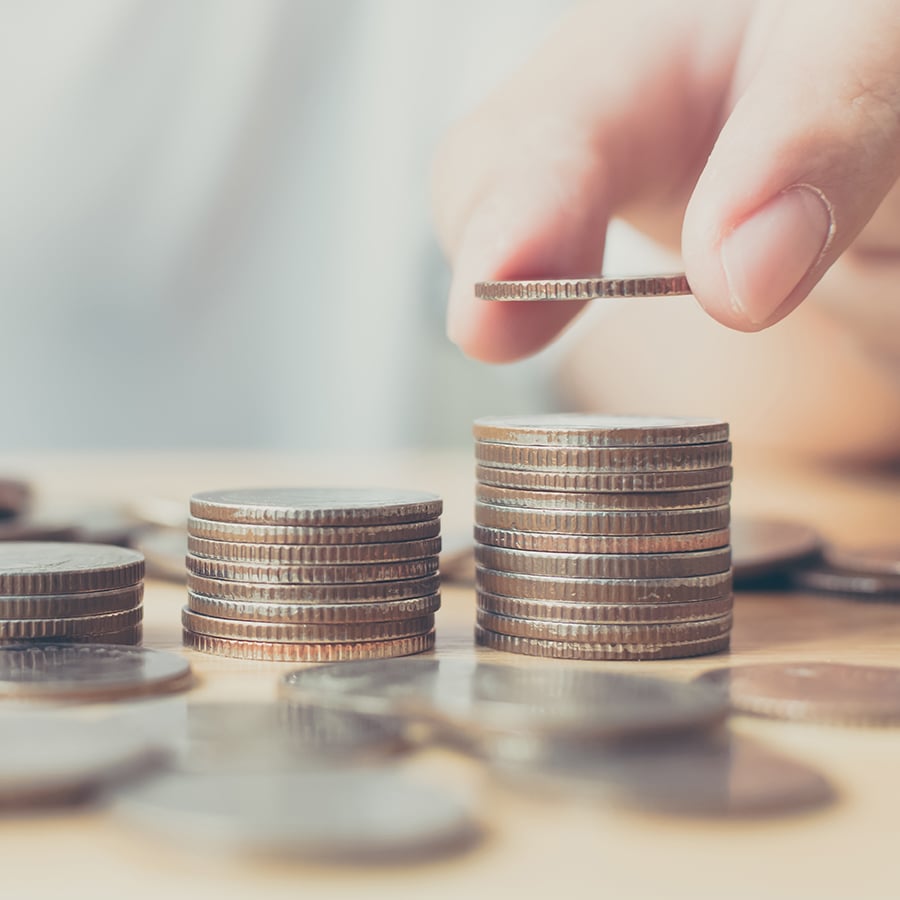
534,846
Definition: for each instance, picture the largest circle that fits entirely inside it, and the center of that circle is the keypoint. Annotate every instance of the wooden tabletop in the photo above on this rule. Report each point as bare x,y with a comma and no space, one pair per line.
535,845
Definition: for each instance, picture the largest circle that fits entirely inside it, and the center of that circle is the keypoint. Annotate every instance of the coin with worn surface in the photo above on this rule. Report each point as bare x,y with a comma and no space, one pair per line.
763,547
127,636
15,496
598,565
332,633
603,522
481,698
313,613
71,627
316,506
362,592
325,574
608,613
597,287
58,606
313,554
73,671
370,813
604,590
561,542
575,650
572,502
876,560
295,652
604,459
823,578
46,568
813,692
599,482
595,430
300,534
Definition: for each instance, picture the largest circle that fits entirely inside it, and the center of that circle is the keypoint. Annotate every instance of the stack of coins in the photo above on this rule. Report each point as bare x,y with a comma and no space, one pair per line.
312,575
74,593
602,537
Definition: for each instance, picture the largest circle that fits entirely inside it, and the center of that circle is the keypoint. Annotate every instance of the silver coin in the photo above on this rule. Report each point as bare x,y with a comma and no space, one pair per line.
823,578
368,813
94,671
60,606
592,288
300,534
28,568
572,502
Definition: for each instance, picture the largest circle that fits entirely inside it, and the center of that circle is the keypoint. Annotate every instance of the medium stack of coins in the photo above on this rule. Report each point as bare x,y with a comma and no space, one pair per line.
73,593
603,537
312,575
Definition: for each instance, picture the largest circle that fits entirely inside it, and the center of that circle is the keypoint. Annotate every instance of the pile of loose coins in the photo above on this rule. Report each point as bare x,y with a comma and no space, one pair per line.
603,537
80,593
312,575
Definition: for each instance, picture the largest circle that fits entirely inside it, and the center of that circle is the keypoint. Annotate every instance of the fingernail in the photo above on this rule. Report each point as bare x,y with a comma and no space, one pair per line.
769,254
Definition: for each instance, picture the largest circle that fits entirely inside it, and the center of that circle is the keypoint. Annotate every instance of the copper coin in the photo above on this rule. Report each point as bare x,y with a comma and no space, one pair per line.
70,627
610,565
596,633
597,287
27,528
331,633
596,460
351,574
764,547
605,613
604,590
662,501
313,554
314,613
61,606
300,534
575,650
293,652
15,496
73,671
316,506
604,522
877,560
601,543
39,568
823,578
813,692
363,592
599,482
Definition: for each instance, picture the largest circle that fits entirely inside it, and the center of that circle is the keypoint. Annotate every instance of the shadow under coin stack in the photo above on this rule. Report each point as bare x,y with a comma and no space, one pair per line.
601,537
70,593
312,574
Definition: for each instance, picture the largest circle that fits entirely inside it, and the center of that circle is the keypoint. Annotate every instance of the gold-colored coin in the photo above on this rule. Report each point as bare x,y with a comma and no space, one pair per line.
600,482
571,501
300,534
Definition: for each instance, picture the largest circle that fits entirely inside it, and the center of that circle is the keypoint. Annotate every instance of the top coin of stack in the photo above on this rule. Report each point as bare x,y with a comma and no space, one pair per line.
312,574
603,537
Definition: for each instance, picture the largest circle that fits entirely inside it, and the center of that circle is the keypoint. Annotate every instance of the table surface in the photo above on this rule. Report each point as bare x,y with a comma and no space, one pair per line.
534,844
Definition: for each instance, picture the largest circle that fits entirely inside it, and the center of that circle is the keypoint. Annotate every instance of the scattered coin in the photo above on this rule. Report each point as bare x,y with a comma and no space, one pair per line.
572,502
28,528
766,547
821,577
600,286
300,534
878,560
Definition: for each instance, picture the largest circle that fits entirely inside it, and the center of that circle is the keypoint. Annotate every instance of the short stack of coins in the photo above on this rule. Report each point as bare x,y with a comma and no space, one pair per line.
601,537
312,574
70,593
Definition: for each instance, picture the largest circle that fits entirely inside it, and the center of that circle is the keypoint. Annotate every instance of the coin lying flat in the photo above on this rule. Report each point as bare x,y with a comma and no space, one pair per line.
46,568
599,482
598,287
877,560
764,547
53,606
98,671
316,506
300,534
80,626
569,501
813,692
824,578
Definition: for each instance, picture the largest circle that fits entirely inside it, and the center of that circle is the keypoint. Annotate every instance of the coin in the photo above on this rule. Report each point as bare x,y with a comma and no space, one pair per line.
480,698
314,613
599,482
300,534
603,522
599,460
576,650
54,606
561,542
15,496
26,528
164,550
332,633
71,627
764,547
326,574
316,506
367,813
595,565
877,560
313,554
594,430
821,577
73,671
127,636
813,692
362,592
597,287
663,501
608,613
284,652
47,568
603,590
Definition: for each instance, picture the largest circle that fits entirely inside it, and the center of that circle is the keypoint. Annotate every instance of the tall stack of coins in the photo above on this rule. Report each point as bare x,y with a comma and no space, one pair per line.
602,537
75,593
312,574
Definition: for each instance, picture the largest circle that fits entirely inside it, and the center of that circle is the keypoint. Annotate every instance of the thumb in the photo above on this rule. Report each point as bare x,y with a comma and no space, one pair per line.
809,151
